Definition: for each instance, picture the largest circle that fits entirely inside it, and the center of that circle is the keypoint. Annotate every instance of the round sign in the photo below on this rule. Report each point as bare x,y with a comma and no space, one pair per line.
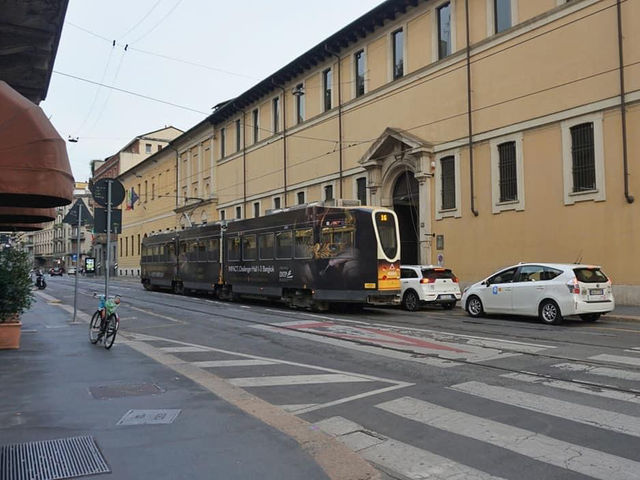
101,192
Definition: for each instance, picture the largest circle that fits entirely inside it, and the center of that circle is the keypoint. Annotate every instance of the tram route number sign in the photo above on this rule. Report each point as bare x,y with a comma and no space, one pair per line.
101,192
101,220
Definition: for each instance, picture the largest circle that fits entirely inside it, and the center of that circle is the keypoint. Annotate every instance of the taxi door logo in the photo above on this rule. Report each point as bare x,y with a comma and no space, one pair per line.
388,275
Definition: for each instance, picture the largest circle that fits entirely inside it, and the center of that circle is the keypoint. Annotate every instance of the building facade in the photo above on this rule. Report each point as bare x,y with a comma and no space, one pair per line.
499,131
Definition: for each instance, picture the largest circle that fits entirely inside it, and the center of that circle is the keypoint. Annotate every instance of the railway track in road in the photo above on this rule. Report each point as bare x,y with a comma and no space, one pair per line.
603,362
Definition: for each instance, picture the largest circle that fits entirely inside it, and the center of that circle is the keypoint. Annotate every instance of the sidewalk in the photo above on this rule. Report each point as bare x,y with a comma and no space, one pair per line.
58,385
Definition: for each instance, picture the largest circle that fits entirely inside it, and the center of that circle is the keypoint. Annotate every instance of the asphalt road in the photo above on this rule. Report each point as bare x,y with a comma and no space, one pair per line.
429,394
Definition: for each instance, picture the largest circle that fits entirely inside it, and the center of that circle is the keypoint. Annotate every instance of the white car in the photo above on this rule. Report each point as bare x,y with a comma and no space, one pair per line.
428,284
549,291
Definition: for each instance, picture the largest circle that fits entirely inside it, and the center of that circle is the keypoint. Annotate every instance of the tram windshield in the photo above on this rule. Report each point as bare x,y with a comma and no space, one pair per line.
386,225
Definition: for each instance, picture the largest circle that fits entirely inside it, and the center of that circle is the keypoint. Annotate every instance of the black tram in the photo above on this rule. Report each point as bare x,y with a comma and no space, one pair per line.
307,256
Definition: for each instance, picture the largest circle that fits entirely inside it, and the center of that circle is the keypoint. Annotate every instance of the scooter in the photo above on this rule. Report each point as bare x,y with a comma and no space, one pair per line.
40,282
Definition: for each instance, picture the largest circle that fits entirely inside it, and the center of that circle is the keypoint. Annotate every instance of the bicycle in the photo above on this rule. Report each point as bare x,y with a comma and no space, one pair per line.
105,321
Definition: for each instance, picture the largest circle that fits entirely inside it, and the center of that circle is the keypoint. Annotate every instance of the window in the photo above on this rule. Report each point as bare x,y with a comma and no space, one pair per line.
249,249
276,202
361,188
447,183
328,192
507,176
300,198
233,249
238,212
359,72
397,41
256,128
298,92
326,88
275,106
444,30
304,243
448,179
256,209
507,168
222,142
147,148
502,15
238,136
284,244
223,215
265,246
583,159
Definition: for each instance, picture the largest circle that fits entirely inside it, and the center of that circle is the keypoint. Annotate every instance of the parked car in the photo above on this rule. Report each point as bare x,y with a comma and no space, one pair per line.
71,271
56,271
428,284
549,291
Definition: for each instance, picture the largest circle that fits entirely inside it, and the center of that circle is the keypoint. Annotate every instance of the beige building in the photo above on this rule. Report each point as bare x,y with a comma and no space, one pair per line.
500,131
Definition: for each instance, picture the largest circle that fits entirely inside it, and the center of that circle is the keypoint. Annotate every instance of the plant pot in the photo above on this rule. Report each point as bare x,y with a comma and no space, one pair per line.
10,335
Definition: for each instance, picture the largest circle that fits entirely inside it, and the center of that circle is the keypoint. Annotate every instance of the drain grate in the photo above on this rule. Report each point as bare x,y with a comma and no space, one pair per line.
52,459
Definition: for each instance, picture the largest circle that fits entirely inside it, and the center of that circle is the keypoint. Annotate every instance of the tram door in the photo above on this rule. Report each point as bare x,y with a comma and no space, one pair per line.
405,204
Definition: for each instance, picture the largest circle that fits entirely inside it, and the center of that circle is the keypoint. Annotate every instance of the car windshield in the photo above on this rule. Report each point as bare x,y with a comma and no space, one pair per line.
590,275
437,273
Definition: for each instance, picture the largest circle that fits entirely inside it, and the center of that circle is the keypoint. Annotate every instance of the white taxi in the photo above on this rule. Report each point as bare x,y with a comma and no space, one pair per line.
428,284
549,291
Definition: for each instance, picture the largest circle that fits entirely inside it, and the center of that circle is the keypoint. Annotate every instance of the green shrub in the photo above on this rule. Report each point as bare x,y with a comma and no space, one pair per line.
16,290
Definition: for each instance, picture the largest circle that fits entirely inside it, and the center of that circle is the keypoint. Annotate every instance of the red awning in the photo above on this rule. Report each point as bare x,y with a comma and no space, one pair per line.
34,167
20,215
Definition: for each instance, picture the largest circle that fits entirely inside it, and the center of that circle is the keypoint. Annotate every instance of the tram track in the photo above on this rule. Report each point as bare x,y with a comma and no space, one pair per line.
498,368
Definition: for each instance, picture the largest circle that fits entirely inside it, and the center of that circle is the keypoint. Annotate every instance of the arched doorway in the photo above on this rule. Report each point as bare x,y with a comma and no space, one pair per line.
405,204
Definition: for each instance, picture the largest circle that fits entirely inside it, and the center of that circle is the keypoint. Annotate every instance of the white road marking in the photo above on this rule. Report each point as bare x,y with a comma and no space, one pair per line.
539,447
575,387
400,458
231,363
596,417
601,371
617,359
182,349
294,380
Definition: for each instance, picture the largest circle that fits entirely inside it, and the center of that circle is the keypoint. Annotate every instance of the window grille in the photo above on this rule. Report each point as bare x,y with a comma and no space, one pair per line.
508,174
448,177
583,157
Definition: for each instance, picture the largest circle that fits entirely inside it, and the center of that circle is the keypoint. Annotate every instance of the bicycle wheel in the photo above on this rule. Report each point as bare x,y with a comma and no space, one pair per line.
94,328
110,331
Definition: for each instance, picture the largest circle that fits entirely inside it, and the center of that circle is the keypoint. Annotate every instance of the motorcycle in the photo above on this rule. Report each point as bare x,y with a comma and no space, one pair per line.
40,282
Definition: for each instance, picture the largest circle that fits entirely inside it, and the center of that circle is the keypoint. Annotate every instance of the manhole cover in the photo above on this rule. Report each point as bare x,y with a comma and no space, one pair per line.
149,417
52,459
118,391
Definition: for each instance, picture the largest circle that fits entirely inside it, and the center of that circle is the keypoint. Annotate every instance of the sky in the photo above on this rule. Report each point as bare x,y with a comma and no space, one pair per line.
189,54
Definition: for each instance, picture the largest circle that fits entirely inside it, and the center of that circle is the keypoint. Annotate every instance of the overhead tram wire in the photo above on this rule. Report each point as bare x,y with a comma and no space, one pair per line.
122,90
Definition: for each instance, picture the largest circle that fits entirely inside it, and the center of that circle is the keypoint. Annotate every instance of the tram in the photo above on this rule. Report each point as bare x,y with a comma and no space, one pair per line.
308,256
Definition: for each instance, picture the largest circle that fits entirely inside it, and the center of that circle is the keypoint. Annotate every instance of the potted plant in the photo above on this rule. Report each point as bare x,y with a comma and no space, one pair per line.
16,294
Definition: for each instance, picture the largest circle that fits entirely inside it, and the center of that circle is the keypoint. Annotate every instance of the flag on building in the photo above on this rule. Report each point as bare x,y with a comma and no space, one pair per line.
132,198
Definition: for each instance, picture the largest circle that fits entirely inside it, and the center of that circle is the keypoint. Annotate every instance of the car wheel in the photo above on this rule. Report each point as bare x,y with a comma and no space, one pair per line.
410,301
549,313
448,306
590,317
474,307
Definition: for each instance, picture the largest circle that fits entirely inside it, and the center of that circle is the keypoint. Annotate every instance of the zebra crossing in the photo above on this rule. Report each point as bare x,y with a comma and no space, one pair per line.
413,461
535,409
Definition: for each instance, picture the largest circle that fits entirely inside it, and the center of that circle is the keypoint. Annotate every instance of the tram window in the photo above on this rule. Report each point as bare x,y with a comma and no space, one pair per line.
265,244
284,244
213,254
233,249
249,247
304,243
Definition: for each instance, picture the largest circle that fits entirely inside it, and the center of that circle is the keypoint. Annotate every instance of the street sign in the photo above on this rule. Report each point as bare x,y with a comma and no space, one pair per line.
101,220
72,216
100,192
